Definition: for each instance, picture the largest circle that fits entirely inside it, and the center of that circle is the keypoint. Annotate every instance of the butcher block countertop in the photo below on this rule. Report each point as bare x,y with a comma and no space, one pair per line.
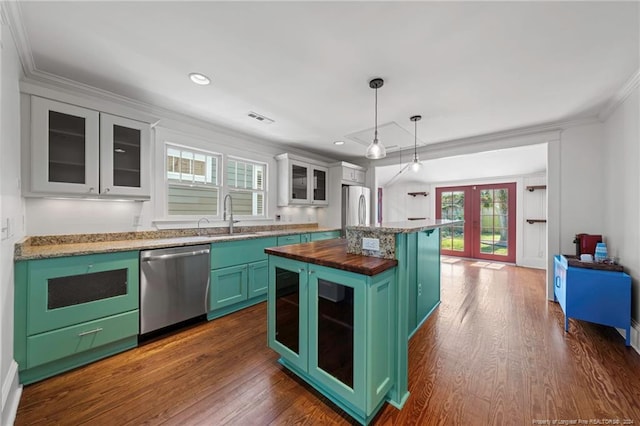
333,254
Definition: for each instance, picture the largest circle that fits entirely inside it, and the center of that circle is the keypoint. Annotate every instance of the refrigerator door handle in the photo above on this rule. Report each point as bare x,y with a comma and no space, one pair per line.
362,205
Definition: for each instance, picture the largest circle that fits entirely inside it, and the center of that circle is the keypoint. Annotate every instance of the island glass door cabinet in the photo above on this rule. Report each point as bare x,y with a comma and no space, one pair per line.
334,329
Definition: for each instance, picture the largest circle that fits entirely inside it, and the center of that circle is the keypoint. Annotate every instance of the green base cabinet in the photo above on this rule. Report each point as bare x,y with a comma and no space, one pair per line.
74,310
341,342
238,276
423,275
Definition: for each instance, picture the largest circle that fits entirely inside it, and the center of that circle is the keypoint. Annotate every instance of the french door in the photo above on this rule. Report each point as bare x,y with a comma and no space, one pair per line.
489,214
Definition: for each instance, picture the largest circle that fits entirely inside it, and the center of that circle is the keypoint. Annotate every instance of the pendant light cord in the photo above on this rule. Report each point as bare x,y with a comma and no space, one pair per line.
375,135
415,140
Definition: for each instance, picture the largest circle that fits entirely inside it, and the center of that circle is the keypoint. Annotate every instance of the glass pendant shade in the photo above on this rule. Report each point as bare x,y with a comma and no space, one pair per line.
416,165
376,150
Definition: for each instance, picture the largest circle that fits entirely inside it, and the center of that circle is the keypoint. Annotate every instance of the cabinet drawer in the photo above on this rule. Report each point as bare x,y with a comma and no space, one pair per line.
73,290
240,252
289,239
57,344
325,235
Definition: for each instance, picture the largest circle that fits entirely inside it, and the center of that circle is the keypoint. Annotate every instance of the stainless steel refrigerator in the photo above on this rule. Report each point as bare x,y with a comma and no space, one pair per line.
356,205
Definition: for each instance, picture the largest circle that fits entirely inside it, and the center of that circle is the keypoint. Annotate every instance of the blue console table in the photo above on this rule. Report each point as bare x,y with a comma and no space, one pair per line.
599,296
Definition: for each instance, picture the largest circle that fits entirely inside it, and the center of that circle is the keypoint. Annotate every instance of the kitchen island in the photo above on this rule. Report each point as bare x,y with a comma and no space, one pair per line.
341,317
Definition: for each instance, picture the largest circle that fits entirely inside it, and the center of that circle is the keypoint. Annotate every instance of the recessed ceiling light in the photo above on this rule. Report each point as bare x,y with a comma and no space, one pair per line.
200,79
338,143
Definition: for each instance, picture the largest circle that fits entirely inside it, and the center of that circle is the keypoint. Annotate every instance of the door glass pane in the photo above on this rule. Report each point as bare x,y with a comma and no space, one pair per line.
77,289
452,208
494,217
299,182
319,185
288,308
126,156
335,330
66,148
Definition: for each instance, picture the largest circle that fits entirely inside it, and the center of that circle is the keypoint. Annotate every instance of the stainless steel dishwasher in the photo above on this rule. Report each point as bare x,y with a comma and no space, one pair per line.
174,285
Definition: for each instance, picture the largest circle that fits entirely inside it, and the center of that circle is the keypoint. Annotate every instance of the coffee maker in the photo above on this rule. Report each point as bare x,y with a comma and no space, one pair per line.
586,243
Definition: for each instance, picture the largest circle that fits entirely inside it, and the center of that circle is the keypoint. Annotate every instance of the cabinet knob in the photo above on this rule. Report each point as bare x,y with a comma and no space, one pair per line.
106,190
91,189
300,270
312,272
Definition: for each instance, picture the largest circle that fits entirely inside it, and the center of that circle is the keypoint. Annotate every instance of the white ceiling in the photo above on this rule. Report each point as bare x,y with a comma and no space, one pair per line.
468,68
526,160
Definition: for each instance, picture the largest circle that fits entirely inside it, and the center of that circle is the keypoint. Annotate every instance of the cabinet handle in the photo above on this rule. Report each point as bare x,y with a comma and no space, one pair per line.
84,333
106,190
91,189
558,282
312,272
300,270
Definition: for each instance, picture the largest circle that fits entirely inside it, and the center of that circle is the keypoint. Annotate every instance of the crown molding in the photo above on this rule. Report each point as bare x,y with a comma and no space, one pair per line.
621,95
12,15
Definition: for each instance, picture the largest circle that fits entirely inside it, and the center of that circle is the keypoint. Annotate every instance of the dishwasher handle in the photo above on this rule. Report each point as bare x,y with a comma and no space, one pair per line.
150,258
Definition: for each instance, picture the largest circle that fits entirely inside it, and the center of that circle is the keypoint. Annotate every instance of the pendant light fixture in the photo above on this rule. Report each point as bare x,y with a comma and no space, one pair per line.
416,165
376,150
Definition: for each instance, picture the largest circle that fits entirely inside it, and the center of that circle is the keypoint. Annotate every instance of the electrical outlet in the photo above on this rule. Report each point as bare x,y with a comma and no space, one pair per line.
371,244
137,220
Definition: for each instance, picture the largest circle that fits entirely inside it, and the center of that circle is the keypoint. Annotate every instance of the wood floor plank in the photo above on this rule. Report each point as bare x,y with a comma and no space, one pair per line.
493,353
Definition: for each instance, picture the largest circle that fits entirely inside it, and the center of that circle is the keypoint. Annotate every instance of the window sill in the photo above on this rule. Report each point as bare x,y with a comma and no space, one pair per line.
213,223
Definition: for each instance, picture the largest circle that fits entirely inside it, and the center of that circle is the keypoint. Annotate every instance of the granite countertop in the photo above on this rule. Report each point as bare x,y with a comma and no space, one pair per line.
406,227
44,247
333,254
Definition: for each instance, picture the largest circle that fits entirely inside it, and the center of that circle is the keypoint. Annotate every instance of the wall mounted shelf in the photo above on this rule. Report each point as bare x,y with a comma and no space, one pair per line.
413,194
532,221
532,188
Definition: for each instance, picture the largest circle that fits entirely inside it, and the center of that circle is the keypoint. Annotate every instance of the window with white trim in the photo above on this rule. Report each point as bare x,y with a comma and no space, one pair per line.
246,182
193,182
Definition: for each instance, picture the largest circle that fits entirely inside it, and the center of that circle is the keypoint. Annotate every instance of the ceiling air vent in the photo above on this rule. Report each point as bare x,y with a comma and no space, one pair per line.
259,117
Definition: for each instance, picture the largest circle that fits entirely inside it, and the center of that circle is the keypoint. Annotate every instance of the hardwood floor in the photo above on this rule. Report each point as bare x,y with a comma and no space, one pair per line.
493,353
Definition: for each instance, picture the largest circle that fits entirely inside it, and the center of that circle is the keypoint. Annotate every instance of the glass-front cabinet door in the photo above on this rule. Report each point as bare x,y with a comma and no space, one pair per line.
319,185
288,309
124,156
337,331
64,148
299,183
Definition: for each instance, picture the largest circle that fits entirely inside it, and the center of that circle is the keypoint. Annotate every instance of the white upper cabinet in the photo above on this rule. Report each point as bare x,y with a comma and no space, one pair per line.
301,182
353,175
124,156
79,151
64,148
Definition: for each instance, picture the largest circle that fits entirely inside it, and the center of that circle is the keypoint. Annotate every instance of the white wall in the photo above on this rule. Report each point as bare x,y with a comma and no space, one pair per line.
581,184
397,205
532,244
620,194
12,209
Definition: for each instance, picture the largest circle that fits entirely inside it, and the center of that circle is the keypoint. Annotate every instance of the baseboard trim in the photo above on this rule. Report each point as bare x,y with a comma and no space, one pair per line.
11,392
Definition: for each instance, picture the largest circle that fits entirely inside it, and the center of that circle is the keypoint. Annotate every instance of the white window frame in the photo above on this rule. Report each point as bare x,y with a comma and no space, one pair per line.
164,139
265,186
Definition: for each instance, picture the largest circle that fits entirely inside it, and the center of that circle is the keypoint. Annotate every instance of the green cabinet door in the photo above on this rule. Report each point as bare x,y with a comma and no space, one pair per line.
258,278
287,310
72,290
228,286
428,289
337,332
